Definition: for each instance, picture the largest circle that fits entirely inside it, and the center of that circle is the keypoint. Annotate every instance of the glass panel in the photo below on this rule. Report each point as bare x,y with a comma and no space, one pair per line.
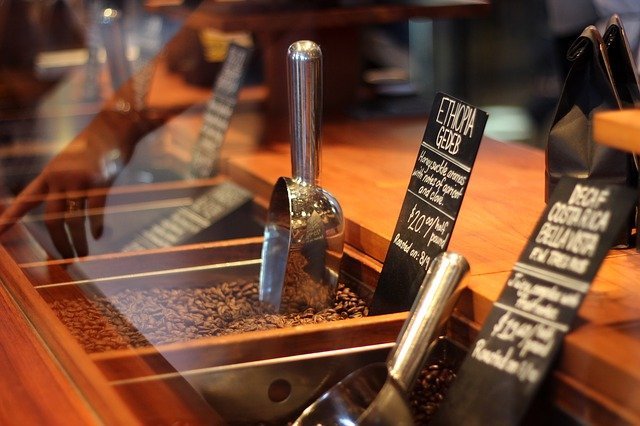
122,225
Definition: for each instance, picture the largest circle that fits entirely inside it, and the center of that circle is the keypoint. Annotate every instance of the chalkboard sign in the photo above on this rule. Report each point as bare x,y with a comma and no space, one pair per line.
185,222
525,328
206,153
433,199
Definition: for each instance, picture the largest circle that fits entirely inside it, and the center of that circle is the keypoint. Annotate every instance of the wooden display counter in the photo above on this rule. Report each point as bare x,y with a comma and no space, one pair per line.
366,165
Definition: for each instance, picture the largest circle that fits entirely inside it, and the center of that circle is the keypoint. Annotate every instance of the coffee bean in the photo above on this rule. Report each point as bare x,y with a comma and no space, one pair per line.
139,318
430,390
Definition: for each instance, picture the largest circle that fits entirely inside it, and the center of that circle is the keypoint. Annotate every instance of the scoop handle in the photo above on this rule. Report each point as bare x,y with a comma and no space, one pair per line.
304,72
430,310
113,37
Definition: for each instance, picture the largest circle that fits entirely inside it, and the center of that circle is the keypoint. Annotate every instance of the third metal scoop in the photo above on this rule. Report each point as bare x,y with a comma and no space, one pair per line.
376,394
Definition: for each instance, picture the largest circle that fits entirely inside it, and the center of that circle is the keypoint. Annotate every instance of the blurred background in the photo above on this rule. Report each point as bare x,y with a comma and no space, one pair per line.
506,59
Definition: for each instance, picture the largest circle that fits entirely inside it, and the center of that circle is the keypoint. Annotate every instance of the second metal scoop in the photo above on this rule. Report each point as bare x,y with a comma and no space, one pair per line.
377,394
304,234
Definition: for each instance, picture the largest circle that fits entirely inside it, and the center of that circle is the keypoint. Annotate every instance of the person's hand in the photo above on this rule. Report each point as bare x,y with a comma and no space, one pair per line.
91,161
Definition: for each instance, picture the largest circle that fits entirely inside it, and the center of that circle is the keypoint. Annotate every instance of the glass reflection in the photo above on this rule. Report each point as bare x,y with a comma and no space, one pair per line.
101,109
104,187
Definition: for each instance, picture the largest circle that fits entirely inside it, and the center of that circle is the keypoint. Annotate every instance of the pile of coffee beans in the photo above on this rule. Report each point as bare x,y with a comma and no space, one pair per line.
430,390
97,326
138,318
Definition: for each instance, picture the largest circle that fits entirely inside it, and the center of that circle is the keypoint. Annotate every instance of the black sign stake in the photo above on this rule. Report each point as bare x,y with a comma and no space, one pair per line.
206,152
525,328
433,199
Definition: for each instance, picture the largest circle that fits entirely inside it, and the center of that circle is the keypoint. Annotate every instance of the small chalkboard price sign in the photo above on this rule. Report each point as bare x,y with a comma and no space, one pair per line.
524,330
206,152
433,199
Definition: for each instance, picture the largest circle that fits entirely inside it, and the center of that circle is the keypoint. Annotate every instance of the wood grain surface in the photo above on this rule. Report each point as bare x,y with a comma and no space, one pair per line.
618,129
34,390
70,361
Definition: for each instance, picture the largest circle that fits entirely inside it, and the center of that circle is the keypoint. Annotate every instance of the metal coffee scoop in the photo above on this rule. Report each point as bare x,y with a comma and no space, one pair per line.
377,394
304,233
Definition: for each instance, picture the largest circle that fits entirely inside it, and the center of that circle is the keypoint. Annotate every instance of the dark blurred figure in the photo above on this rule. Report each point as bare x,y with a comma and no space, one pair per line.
567,19
97,154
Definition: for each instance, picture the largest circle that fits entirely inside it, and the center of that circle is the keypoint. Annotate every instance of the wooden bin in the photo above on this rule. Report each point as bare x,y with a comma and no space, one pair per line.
167,383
